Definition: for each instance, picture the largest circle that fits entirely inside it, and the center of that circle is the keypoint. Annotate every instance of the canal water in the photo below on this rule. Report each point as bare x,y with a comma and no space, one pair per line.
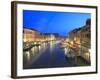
48,55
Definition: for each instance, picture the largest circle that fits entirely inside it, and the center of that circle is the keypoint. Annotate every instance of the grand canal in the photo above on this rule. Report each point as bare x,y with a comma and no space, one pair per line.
48,55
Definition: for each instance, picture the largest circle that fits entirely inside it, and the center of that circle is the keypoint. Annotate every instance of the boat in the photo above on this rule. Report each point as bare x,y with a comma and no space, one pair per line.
69,52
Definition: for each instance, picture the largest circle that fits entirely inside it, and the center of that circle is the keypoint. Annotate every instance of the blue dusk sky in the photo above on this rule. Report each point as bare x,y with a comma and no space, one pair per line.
54,22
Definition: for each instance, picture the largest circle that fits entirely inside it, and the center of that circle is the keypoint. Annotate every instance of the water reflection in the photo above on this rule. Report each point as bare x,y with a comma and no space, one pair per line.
51,46
69,52
48,54
33,54
27,53
65,51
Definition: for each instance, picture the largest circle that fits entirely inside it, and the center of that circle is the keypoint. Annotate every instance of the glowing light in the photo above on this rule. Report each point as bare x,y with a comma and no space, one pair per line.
34,42
33,50
71,42
75,38
39,48
28,55
65,50
89,50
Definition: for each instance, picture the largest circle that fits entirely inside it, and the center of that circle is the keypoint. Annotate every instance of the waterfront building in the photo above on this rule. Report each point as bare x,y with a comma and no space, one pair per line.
49,37
80,39
30,35
86,41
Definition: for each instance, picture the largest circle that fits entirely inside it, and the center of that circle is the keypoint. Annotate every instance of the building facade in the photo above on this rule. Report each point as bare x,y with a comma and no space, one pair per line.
31,35
80,39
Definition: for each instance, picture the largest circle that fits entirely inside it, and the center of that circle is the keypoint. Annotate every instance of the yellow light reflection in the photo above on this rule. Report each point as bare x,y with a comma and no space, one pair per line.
28,55
33,50
65,50
39,48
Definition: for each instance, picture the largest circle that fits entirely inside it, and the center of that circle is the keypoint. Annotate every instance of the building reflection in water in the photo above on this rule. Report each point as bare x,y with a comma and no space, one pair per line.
49,54
27,55
65,51
51,46
34,53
